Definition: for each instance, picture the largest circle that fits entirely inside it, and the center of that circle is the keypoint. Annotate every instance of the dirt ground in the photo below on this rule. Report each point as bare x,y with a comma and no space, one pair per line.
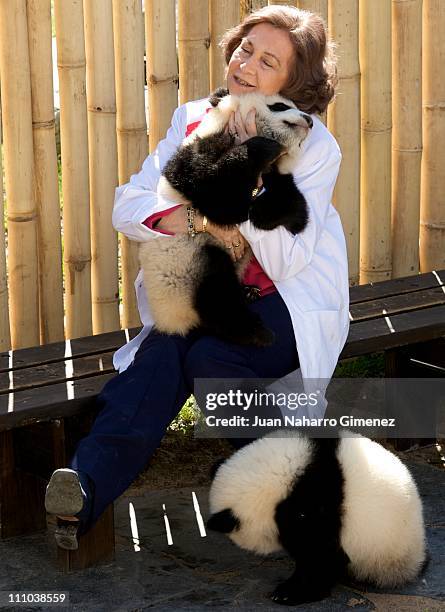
183,461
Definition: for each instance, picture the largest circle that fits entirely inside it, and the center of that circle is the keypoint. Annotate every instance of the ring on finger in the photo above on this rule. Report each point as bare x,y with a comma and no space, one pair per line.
238,244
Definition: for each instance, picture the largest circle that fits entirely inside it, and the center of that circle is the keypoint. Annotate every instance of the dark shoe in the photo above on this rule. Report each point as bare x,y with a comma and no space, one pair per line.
68,494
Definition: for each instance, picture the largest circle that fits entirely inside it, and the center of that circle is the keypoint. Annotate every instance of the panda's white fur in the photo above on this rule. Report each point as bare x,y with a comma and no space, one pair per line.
172,269
382,528
173,266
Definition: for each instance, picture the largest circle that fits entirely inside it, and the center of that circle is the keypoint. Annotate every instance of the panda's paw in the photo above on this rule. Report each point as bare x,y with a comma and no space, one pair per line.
290,593
263,218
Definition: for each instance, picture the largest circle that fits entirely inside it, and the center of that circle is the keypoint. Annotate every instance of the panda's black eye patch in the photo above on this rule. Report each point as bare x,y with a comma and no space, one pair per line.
278,107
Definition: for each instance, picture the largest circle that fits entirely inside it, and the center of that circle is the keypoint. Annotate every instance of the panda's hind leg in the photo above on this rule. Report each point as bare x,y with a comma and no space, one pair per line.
221,303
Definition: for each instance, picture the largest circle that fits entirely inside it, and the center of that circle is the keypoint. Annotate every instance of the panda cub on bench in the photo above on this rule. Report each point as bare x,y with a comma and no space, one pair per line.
192,281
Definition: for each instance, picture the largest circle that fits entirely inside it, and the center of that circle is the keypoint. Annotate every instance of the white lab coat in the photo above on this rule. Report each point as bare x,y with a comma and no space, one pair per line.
309,270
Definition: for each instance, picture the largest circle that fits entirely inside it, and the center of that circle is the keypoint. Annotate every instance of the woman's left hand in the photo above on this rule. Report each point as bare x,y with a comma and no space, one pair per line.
242,130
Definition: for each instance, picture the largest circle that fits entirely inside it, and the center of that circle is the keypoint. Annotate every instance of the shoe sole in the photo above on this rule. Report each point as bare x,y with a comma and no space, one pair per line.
66,537
64,494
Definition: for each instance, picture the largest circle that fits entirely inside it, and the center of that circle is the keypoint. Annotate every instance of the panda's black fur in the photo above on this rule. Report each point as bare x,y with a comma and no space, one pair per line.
193,282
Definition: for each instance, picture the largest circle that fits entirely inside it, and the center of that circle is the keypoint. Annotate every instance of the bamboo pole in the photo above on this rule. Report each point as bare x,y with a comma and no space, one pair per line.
375,189
193,50
290,2
74,144
101,100
18,152
223,15
128,21
46,178
320,7
407,135
5,336
344,123
249,6
162,66
432,225
315,6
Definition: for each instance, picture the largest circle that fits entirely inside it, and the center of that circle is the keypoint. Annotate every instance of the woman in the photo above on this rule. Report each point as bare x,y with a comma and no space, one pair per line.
303,279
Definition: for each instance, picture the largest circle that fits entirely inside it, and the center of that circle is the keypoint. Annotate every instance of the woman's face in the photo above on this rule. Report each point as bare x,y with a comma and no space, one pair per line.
261,61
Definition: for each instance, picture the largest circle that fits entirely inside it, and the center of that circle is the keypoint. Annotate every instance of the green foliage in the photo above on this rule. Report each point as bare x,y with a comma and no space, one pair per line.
368,366
186,419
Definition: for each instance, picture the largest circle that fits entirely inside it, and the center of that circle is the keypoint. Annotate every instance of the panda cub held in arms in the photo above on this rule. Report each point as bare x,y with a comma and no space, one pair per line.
340,507
192,281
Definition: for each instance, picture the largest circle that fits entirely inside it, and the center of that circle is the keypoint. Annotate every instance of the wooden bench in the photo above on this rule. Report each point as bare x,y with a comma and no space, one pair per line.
47,396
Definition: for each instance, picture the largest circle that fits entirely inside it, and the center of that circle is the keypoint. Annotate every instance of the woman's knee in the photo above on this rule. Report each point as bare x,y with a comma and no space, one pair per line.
209,357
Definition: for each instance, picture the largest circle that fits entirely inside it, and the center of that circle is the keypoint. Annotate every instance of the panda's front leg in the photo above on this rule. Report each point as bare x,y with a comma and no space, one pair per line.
282,203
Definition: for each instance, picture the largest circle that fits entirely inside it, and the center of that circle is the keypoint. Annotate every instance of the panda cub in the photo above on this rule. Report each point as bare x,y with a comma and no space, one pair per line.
339,507
191,281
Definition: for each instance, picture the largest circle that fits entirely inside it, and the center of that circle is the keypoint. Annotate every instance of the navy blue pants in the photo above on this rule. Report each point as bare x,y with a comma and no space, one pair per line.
138,405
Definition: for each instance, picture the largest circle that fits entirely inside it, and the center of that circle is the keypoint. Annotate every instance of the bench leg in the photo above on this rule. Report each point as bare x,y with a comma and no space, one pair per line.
399,364
21,494
97,545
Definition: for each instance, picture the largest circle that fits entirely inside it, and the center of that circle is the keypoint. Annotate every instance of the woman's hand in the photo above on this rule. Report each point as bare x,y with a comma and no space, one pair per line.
242,130
229,237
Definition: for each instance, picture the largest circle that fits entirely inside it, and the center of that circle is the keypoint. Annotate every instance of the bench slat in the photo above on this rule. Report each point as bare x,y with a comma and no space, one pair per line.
409,327
48,403
53,373
50,353
396,286
397,304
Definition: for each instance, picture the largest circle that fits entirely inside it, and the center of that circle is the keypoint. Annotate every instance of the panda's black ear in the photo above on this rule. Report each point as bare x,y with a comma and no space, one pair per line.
215,97
224,521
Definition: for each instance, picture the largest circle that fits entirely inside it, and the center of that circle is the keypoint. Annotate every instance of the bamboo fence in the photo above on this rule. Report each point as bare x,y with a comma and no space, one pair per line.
102,156
387,117
45,164
316,6
71,64
344,122
223,15
131,127
19,171
5,336
407,134
375,210
432,208
193,45
162,66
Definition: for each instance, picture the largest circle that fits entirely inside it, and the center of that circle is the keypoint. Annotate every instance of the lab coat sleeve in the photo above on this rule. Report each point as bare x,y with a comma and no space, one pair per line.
137,200
280,253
